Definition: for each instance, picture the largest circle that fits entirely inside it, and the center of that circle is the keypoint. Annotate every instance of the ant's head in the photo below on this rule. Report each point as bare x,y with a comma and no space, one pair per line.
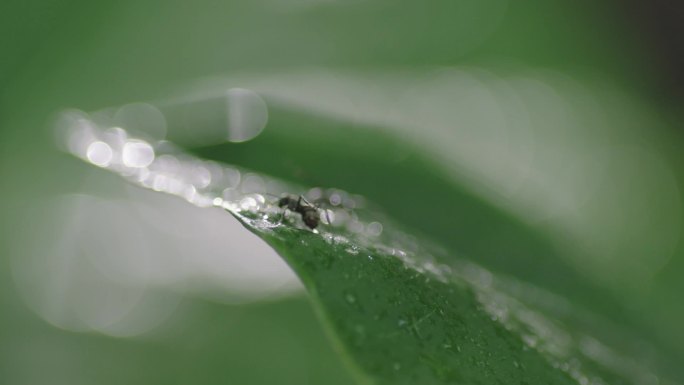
288,202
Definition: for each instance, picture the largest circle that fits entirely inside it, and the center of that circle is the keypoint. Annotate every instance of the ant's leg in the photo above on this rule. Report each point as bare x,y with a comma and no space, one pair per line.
301,197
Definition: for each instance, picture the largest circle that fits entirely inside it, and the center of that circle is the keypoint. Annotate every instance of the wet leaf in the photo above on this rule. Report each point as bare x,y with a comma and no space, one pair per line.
401,309
400,315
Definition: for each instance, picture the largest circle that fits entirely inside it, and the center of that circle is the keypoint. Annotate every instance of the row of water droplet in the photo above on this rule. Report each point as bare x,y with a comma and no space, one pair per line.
161,166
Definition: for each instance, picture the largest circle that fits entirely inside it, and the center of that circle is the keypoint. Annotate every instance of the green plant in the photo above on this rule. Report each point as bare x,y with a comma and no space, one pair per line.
522,138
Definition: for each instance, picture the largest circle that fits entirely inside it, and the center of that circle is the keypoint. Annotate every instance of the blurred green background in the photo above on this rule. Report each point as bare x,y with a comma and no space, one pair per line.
541,139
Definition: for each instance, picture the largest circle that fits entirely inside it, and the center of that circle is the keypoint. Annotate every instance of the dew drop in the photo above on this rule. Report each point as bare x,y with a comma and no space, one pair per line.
314,194
201,176
230,194
248,203
259,198
232,177
352,250
252,183
335,199
349,203
137,154
328,217
374,229
99,154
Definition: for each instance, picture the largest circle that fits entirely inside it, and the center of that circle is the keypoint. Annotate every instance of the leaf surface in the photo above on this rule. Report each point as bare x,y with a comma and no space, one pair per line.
401,316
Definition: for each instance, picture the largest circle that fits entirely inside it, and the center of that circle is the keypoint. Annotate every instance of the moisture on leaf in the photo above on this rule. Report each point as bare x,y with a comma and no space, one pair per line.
399,309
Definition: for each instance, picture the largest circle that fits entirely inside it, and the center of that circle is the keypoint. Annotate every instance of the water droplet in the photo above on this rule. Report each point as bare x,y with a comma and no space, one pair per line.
314,194
200,176
374,229
74,131
248,203
99,154
352,250
116,137
349,203
232,177
137,154
252,184
335,199
230,194
259,198
328,216
167,163
189,192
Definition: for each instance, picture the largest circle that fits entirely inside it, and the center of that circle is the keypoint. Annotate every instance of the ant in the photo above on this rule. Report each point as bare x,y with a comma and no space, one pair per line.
309,212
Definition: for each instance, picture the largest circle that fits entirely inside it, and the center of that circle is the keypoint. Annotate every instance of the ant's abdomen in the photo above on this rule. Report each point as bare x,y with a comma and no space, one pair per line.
311,217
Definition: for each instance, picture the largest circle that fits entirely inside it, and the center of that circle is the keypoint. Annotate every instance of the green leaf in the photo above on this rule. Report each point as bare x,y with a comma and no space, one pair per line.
401,315
403,310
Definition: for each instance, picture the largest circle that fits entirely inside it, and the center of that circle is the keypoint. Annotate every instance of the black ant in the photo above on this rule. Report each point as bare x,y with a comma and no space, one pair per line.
309,212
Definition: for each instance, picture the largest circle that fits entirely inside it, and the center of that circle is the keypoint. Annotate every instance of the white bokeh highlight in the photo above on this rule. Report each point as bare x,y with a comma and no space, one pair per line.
247,114
137,154
99,153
